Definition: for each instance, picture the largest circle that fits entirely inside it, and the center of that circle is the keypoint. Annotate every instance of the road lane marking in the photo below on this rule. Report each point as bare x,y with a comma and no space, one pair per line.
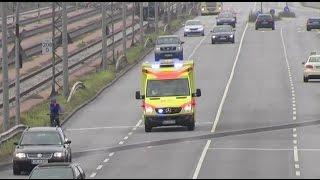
294,112
135,128
294,118
97,128
121,142
106,160
294,129
99,167
93,175
139,122
262,149
296,166
130,133
197,170
125,137
295,154
198,45
111,154
203,154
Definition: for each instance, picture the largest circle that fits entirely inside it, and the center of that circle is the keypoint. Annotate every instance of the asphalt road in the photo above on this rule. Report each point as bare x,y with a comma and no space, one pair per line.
249,85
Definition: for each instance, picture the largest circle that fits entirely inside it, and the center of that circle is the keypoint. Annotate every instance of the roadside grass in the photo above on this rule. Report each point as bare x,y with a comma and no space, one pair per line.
94,82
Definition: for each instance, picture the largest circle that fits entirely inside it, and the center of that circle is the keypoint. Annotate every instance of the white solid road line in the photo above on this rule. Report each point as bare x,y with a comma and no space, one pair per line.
196,173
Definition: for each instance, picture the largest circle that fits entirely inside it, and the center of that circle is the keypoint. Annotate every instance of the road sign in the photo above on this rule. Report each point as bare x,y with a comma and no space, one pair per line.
46,46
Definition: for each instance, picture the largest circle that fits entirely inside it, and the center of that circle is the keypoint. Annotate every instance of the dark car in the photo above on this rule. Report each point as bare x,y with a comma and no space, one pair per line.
59,170
224,33
313,23
264,21
168,47
40,145
226,18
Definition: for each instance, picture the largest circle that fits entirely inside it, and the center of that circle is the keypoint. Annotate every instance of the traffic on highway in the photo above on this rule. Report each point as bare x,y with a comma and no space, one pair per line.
219,90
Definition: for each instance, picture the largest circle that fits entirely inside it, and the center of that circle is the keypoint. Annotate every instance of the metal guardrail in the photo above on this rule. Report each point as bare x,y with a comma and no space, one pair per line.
12,132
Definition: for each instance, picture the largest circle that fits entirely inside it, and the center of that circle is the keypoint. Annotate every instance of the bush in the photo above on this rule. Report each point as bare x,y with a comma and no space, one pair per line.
289,14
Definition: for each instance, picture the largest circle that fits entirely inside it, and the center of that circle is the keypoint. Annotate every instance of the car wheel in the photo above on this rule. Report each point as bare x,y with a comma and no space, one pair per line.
213,42
305,79
308,29
273,28
203,33
232,40
185,35
16,170
257,28
234,25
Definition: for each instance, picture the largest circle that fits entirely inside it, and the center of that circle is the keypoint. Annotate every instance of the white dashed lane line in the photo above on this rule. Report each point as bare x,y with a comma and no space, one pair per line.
93,174
294,112
106,160
111,154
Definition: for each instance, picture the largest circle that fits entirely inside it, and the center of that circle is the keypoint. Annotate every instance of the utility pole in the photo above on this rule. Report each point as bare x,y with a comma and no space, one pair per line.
132,24
156,13
53,89
5,68
38,12
124,19
104,36
141,22
17,66
113,45
65,50
169,12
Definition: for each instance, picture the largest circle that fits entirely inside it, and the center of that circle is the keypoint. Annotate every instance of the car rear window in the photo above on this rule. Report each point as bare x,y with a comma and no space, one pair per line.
314,59
52,173
263,17
314,20
193,23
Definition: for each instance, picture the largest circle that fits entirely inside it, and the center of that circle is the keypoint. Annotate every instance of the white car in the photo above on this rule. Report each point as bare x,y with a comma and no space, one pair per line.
193,27
311,68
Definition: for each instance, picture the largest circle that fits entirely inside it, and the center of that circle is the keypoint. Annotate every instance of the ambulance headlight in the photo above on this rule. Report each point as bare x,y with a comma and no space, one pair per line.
149,109
160,111
187,108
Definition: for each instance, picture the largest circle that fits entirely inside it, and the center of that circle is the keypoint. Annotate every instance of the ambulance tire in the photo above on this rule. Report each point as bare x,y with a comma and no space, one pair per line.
147,127
191,126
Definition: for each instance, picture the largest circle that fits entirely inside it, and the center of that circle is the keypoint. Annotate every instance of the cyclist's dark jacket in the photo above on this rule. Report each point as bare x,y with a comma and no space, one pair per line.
54,109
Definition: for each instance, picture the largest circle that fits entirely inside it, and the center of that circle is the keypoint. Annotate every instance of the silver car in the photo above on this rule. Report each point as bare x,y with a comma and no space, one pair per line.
193,27
311,68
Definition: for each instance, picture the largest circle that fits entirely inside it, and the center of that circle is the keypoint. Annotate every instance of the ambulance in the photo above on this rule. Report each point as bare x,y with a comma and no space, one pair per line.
168,94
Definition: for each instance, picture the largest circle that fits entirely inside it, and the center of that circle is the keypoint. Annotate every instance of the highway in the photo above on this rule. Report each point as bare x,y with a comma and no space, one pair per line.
253,84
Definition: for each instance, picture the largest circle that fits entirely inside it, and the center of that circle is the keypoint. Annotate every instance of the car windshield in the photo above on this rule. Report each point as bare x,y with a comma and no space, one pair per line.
193,23
167,40
171,87
222,29
41,138
264,17
211,4
52,173
225,15
314,59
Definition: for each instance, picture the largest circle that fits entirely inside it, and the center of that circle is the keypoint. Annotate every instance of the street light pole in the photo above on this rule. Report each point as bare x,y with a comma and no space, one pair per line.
104,36
53,89
65,50
141,22
261,7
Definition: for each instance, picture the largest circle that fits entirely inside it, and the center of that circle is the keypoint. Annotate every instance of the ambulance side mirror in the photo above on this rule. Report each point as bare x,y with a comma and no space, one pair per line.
138,95
197,94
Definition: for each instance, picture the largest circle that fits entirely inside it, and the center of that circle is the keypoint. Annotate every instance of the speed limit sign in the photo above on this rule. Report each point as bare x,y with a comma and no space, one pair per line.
46,46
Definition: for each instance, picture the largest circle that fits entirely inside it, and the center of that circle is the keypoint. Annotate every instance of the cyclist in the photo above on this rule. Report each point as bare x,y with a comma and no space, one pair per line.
55,109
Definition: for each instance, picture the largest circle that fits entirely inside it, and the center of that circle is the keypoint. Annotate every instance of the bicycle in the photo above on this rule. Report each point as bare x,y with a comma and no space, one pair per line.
55,122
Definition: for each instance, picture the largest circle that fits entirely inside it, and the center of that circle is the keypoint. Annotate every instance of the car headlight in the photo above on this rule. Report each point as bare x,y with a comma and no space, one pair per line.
187,108
200,28
213,37
231,35
149,109
186,29
157,48
219,8
202,9
58,154
20,155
